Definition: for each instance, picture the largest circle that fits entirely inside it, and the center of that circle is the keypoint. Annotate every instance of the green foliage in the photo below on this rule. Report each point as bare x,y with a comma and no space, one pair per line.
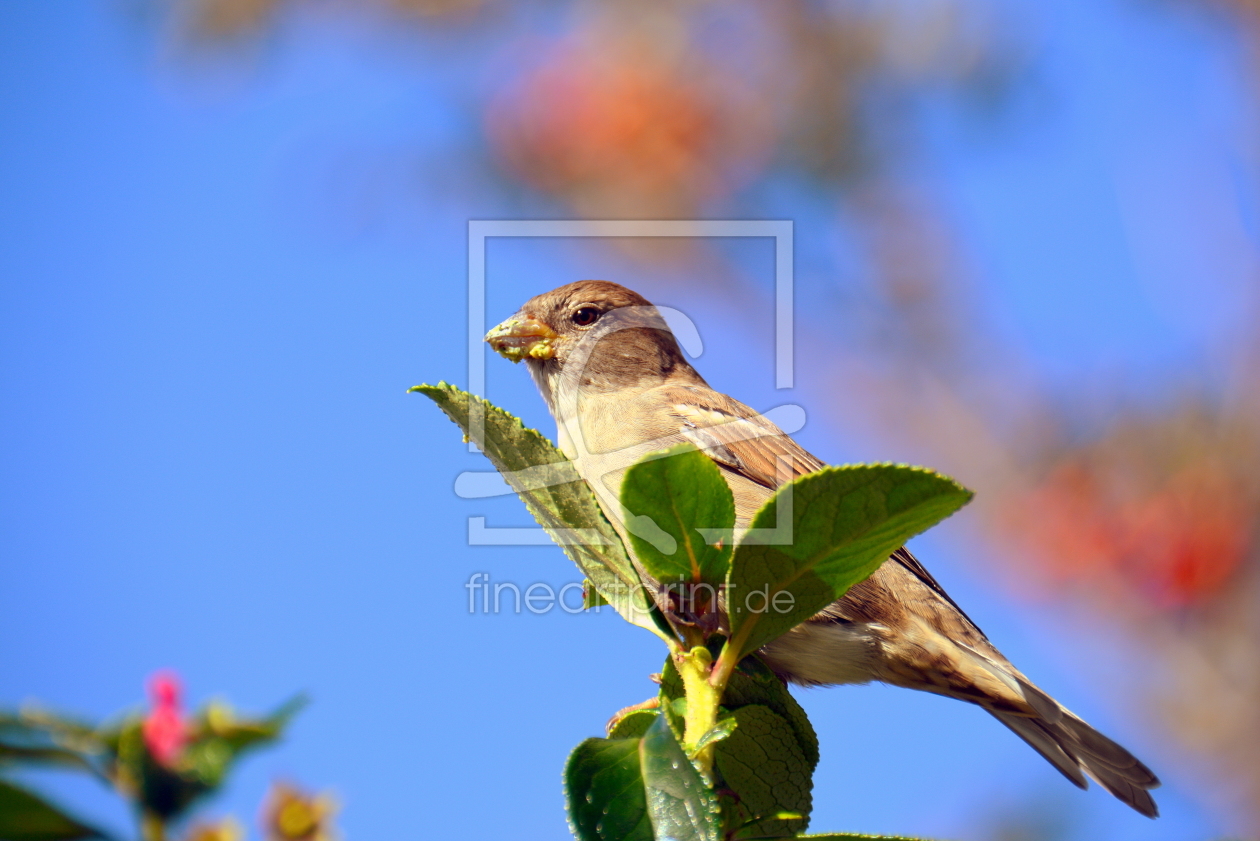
25,816
763,763
603,786
638,789
845,522
677,507
722,730
119,756
633,725
35,737
218,739
555,494
726,752
767,762
754,684
680,805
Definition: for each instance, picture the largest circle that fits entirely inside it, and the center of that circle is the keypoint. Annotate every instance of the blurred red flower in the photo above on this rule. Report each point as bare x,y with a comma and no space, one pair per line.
1168,544
164,729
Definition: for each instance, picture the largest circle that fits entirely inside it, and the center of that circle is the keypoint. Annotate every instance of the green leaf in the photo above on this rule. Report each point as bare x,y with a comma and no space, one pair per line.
675,715
34,727
671,682
603,787
754,683
36,736
716,733
677,506
844,523
25,816
45,756
680,805
637,790
221,738
590,596
634,725
219,720
559,499
762,762
37,723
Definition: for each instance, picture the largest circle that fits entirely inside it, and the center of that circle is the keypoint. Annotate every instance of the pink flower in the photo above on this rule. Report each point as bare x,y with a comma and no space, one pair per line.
165,732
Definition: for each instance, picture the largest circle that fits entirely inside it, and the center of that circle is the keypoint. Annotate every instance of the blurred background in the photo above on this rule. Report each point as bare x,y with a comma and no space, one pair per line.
233,232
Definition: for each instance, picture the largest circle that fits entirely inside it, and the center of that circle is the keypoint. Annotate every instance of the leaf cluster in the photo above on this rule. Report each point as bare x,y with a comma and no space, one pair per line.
723,751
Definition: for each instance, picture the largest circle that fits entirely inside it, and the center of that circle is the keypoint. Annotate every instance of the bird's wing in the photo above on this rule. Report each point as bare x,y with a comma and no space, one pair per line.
739,439
912,565
745,442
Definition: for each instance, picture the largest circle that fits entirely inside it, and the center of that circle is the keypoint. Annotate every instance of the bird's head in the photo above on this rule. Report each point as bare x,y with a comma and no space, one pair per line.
610,334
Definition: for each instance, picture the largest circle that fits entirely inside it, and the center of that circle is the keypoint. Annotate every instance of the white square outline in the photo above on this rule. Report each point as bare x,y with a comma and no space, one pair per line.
479,230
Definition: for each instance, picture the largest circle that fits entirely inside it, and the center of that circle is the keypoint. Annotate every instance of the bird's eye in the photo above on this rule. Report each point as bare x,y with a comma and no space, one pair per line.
586,316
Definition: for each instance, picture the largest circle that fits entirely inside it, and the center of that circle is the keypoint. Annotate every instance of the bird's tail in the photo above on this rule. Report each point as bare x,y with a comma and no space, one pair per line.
1069,744
1077,750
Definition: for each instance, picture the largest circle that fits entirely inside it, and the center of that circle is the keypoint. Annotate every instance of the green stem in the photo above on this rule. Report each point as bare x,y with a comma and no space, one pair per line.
727,661
703,698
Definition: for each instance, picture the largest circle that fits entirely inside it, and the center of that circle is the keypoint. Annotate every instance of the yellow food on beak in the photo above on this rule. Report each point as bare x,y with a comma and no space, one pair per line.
522,336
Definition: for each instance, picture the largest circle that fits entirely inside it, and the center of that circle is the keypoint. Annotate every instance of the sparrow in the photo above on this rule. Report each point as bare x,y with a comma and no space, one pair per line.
618,386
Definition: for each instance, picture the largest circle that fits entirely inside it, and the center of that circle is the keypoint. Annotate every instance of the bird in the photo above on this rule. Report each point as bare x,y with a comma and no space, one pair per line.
618,385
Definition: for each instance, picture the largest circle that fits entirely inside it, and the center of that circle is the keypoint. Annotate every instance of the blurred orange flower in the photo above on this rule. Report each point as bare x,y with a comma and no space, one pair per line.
292,814
613,126
227,829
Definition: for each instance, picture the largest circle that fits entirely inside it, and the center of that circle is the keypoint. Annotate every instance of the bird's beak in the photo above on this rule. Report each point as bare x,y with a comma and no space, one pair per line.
523,336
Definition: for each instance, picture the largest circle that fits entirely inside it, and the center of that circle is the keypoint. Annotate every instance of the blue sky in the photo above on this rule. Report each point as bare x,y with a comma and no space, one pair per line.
206,331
